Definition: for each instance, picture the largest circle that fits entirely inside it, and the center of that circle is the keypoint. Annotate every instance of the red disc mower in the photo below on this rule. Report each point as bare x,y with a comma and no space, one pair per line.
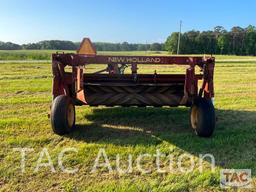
113,87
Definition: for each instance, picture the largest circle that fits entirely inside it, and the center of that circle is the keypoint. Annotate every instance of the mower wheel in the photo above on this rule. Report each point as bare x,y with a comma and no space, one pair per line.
202,117
62,115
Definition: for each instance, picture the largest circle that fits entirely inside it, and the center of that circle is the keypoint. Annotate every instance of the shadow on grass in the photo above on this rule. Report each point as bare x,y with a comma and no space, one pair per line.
233,142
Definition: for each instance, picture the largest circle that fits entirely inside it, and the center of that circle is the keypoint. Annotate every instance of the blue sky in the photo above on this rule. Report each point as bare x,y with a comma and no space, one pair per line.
23,21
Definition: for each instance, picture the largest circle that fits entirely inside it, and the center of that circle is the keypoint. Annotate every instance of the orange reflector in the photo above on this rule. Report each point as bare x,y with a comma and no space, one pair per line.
86,48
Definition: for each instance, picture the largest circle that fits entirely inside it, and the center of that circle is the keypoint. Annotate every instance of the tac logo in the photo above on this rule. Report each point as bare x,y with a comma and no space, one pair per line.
237,178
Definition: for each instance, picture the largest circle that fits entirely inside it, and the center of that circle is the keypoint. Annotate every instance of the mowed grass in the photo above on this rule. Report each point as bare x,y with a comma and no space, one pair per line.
25,98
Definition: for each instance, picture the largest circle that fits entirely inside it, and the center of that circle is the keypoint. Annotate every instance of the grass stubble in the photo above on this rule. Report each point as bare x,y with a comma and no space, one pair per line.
25,97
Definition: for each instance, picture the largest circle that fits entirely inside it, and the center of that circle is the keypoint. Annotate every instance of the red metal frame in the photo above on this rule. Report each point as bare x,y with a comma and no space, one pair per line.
72,84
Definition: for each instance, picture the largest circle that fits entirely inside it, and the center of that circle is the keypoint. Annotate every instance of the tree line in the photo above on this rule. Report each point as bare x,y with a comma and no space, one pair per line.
69,45
237,41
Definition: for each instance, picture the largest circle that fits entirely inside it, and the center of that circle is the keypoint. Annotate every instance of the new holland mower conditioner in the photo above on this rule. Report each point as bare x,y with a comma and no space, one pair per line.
112,87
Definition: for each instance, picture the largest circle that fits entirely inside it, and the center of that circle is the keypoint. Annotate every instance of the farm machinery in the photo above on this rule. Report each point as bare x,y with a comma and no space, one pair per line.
113,87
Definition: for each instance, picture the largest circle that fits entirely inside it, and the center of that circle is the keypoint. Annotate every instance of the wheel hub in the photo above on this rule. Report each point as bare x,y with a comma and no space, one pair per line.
70,115
194,117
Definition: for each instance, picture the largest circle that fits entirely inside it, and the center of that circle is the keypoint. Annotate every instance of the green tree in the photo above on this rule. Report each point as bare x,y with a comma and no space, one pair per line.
250,40
172,42
156,47
223,43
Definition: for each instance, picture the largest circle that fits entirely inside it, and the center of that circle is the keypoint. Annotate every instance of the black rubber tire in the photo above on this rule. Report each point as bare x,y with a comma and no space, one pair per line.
61,120
202,117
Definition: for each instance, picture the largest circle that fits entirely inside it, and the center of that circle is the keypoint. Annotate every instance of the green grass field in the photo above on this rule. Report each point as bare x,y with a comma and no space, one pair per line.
25,97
